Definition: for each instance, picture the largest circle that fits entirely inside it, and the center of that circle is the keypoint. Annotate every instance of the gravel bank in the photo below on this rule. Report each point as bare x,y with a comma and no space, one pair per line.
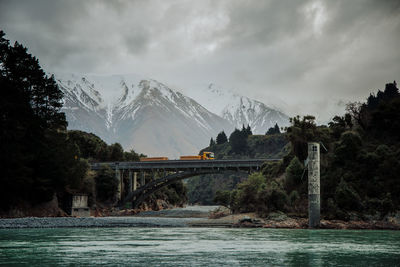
186,212
34,222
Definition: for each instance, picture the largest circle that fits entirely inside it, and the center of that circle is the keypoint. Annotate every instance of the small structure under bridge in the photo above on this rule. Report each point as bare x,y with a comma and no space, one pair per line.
138,185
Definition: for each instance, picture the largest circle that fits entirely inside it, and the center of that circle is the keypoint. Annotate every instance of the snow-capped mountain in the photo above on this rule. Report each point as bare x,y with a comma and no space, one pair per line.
239,110
151,118
139,113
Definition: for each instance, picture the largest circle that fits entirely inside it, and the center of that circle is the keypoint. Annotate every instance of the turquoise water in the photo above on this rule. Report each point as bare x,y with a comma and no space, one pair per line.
198,247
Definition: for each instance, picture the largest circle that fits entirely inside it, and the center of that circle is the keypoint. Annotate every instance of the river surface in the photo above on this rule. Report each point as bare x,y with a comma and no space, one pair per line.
184,246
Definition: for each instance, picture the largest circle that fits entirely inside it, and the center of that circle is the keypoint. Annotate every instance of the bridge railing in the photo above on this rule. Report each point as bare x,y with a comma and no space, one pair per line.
183,164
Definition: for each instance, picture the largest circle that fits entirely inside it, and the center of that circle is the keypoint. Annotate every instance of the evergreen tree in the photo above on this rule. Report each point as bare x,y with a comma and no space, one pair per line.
116,152
273,130
222,138
212,142
238,141
248,130
39,159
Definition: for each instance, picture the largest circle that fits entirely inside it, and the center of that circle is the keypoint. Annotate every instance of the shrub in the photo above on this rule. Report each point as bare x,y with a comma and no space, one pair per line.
248,191
293,197
346,197
293,174
223,197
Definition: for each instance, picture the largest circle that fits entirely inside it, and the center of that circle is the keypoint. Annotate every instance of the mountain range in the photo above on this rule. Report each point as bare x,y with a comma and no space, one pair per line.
152,118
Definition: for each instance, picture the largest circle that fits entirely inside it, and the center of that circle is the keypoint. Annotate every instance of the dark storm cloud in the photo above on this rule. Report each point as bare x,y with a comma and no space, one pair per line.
312,54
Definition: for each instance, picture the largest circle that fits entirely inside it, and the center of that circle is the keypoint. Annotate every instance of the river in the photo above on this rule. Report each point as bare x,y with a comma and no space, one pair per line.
185,246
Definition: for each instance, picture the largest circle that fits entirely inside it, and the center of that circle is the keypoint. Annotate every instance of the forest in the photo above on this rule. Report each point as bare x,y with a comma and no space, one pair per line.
359,168
41,159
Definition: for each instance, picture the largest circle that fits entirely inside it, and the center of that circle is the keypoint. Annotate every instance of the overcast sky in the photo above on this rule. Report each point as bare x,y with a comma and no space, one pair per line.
314,56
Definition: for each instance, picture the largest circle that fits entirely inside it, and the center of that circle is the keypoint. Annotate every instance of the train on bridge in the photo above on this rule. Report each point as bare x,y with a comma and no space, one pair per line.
204,156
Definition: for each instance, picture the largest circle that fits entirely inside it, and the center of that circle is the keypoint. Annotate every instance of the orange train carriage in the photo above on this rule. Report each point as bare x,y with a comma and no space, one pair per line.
153,159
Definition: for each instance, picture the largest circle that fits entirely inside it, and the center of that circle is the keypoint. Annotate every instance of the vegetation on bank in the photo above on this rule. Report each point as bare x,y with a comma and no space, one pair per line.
241,144
40,158
359,171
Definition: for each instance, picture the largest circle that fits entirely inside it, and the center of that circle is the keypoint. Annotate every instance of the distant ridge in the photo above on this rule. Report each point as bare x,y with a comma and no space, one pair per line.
151,118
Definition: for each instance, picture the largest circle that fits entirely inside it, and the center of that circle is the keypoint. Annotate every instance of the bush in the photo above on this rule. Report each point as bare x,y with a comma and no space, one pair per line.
248,191
348,148
346,197
272,198
223,198
293,197
278,199
293,174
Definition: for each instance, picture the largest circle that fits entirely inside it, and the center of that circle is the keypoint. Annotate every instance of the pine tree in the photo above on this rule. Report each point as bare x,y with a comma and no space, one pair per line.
39,158
276,128
248,130
212,142
238,141
273,130
222,138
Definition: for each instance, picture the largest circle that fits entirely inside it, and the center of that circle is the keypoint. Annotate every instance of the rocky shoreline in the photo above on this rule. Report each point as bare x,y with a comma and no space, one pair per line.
281,220
195,216
65,222
325,224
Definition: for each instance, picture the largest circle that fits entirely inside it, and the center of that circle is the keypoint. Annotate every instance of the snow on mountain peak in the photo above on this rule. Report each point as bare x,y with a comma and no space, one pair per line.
238,110
139,113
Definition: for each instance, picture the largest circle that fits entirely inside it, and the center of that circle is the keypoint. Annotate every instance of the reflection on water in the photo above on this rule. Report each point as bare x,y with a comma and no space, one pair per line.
198,247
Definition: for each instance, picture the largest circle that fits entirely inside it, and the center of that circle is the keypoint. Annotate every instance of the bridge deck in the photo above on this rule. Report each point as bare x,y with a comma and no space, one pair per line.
177,165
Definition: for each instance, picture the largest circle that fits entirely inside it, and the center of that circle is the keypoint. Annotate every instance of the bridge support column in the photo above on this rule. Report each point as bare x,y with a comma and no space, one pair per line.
134,181
122,183
314,204
119,189
130,183
142,181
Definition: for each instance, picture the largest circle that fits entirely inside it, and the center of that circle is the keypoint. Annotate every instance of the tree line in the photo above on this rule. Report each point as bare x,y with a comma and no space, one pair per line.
41,159
359,170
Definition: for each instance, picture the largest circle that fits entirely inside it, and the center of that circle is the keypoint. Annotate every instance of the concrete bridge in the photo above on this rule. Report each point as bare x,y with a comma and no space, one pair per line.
163,173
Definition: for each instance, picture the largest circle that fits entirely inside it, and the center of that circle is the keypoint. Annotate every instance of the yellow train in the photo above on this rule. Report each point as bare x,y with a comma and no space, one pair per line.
203,156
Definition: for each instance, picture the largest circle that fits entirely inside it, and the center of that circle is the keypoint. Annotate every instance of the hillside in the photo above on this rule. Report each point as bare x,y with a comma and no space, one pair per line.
139,113
359,170
153,118
238,109
202,189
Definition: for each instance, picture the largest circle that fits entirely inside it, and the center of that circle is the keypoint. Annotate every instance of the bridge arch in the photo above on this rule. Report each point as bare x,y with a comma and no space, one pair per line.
142,193
173,170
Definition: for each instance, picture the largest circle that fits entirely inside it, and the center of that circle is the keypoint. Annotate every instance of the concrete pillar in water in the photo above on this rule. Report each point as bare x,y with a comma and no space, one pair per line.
134,181
314,204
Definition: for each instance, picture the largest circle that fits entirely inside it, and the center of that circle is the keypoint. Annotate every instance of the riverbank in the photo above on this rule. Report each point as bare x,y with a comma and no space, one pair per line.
63,222
282,221
196,216
177,217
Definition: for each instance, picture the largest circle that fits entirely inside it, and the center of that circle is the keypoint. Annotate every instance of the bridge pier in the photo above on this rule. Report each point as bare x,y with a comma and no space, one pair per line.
134,181
142,182
130,181
314,204
119,188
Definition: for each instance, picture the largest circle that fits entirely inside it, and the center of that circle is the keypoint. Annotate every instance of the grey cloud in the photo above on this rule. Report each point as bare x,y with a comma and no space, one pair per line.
309,53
